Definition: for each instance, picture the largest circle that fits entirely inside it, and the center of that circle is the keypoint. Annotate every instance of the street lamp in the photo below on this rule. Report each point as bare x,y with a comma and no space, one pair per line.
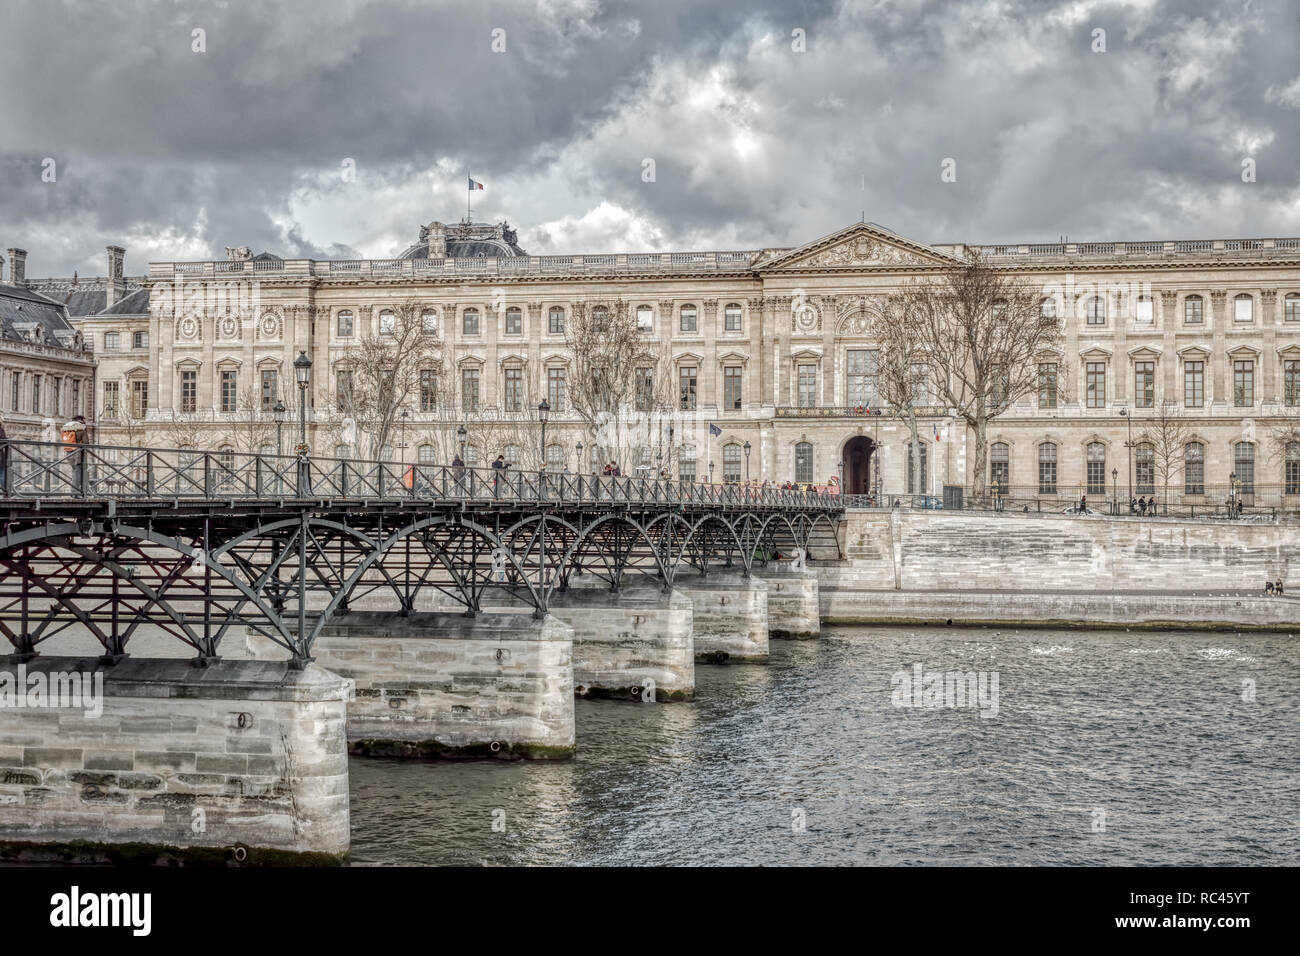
278,411
460,434
1114,489
543,414
302,373
580,458
1129,445
710,472
747,447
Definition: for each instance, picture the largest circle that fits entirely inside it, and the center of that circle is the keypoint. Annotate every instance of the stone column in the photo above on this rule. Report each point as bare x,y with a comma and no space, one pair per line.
1217,358
1269,320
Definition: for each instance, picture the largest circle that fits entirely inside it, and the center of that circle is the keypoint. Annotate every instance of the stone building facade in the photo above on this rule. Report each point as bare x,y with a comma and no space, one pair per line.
47,373
770,346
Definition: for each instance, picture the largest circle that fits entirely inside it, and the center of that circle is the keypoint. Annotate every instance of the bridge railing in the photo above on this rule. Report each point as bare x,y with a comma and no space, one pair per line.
53,470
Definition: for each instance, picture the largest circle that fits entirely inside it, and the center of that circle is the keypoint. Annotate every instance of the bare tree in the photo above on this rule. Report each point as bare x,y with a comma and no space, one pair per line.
903,375
983,332
382,374
620,383
250,429
184,430
1284,437
1166,433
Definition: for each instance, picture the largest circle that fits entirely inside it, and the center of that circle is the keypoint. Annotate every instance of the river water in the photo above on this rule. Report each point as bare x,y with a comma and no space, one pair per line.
1127,748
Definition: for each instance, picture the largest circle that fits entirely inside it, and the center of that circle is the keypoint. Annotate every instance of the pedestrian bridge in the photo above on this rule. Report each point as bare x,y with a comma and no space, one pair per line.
200,542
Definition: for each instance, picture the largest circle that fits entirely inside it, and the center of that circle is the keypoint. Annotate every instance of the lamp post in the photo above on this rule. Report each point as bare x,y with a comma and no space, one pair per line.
1234,484
543,414
278,411
747,447
579,447
710,472
460,435
1114,489
302,374
1129,445
406,415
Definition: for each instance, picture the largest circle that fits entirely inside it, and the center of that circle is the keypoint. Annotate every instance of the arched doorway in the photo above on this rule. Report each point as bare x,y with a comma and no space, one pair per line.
858,453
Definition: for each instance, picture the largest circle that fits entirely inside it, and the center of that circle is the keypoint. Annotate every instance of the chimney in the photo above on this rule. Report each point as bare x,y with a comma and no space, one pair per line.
18,267
437,241
116,284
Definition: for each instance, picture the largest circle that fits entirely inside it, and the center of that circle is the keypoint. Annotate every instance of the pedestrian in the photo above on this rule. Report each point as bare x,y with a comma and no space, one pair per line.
4,458
1132,505
1268,587
1151,503
74,434
1277,588
1142,506
1083,504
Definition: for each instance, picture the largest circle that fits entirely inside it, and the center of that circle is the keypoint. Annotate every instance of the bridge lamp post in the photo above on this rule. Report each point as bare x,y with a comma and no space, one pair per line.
543,415
460,435
747,447
406,416
710,472
302,374
278,411
1114,487
579,447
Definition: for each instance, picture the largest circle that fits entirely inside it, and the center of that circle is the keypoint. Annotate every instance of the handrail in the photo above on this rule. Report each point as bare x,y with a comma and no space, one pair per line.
55,470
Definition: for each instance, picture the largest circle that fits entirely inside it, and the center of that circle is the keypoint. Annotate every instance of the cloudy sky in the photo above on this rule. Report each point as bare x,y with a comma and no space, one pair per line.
178,153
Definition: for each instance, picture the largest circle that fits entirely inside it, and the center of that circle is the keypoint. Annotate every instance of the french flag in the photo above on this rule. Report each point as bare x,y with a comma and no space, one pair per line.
473,184
936,433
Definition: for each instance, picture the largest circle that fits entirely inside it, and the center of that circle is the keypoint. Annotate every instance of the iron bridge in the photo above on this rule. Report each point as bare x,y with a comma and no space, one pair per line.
196,542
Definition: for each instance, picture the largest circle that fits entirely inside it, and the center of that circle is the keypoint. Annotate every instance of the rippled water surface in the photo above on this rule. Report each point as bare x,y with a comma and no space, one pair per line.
1108,747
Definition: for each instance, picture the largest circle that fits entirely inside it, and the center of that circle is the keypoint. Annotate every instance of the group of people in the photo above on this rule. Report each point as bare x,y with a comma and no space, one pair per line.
1140,505
1274,587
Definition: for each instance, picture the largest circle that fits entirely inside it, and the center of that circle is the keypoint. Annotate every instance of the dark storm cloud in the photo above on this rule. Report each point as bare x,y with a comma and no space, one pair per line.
180,153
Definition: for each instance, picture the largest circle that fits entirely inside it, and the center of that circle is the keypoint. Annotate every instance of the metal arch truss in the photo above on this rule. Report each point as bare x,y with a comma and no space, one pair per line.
286,570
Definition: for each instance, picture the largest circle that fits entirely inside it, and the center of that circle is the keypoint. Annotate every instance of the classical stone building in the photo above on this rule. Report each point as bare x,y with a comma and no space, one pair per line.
47,373
770,345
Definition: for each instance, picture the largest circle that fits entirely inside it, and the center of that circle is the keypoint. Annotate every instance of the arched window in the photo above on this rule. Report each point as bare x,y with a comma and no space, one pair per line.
1047,309
600,317
514,321
1000,466
429,322
803,463
1243,308
1096,468
554,457
689,319
686,467
469,322
645,318
1047,468
1193,468
916,469
424,454
555,321
512,455
387,322
731,462
1096,310
1145,312
1292,307
1144,464
1000,312
1194,310
1291,473
471,456
732,317
1243,460
346,324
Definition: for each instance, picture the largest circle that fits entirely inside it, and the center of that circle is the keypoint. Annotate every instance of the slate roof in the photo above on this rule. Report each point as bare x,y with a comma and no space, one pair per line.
20,307
133,303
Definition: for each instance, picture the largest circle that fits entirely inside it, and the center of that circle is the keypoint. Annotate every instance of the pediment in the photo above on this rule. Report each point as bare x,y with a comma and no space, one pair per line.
860,246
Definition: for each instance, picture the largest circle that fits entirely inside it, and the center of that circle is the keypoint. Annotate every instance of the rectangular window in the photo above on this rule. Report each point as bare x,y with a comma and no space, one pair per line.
1047,469
731,463
270,388
469,322
189,392
1145,312
428,390
690,320
807,381
645,319
36,394
1096,384
1096,311
1144,384
1192,310
803,463
645,389
1047,390
686,470
514,322
15,383
862,373
731,387
228,399
1292,473
343,393
139,398
76,396
514,394
1243,309
111,399
56,395
688,382
555,321
1194,469
139,340
555,379
345,325
469,392
110,341
1244,467
1291,383
1243,383
731,318
1194,384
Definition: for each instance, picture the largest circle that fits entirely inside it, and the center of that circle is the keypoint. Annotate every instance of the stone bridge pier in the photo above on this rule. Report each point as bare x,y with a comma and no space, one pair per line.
793,602
729,613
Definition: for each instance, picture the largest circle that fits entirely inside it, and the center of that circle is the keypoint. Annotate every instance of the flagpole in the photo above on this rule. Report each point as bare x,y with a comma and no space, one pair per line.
469,195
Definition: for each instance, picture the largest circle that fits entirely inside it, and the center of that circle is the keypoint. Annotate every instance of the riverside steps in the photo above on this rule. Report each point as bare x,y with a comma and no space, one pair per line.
729,617
236,762
793,601
443,685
